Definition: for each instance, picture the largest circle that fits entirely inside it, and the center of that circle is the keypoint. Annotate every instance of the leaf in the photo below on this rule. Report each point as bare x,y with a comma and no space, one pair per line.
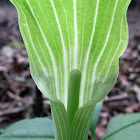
30,129
95,118
61,121
62,35
81,122
123,128
18,44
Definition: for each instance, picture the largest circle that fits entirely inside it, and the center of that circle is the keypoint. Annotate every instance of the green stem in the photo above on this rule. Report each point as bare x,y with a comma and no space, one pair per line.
73,93
93,137
95,118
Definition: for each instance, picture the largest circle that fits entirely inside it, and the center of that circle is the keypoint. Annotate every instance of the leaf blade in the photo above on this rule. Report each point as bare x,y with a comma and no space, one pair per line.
125,127
38,128
95,118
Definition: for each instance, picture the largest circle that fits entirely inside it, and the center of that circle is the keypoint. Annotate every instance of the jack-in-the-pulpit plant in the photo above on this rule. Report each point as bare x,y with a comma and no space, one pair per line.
74,48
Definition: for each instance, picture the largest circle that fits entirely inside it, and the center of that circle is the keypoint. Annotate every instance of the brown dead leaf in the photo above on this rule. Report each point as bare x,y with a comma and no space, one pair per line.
133,108
137,90
100,131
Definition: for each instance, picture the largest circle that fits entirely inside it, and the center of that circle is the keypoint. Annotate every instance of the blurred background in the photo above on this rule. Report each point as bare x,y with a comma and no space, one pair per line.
19,97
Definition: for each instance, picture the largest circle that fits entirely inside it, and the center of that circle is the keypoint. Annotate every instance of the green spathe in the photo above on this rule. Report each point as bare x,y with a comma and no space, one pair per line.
62,35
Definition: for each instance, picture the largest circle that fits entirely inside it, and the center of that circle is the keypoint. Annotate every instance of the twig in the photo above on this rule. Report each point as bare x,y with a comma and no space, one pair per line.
7,77
117,97
15,97
12,112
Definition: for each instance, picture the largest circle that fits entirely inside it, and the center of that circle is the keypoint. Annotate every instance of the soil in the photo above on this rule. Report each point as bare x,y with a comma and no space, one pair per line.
17,86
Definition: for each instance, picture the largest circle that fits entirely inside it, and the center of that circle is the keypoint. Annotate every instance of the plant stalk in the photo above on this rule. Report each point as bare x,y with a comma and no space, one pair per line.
73,93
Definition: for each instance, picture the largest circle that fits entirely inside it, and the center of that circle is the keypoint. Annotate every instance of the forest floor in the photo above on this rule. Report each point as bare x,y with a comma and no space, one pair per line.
17,86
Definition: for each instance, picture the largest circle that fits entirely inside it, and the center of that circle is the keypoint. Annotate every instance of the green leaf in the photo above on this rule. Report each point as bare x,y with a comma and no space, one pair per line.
30,129
123,128
60,35
61,121
18,44
64,35
81,122
95,118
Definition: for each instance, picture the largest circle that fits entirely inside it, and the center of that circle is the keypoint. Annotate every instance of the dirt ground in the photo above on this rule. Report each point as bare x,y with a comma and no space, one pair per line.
17,86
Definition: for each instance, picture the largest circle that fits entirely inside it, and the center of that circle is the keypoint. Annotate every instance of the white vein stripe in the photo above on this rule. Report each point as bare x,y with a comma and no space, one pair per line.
65,55
85,123
57,124
83,36
52,57
33,64
108,35
76,37
114,74
87,54
104,79
67,33
42,66
89,120
54,45
64,122
46,62
79,122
